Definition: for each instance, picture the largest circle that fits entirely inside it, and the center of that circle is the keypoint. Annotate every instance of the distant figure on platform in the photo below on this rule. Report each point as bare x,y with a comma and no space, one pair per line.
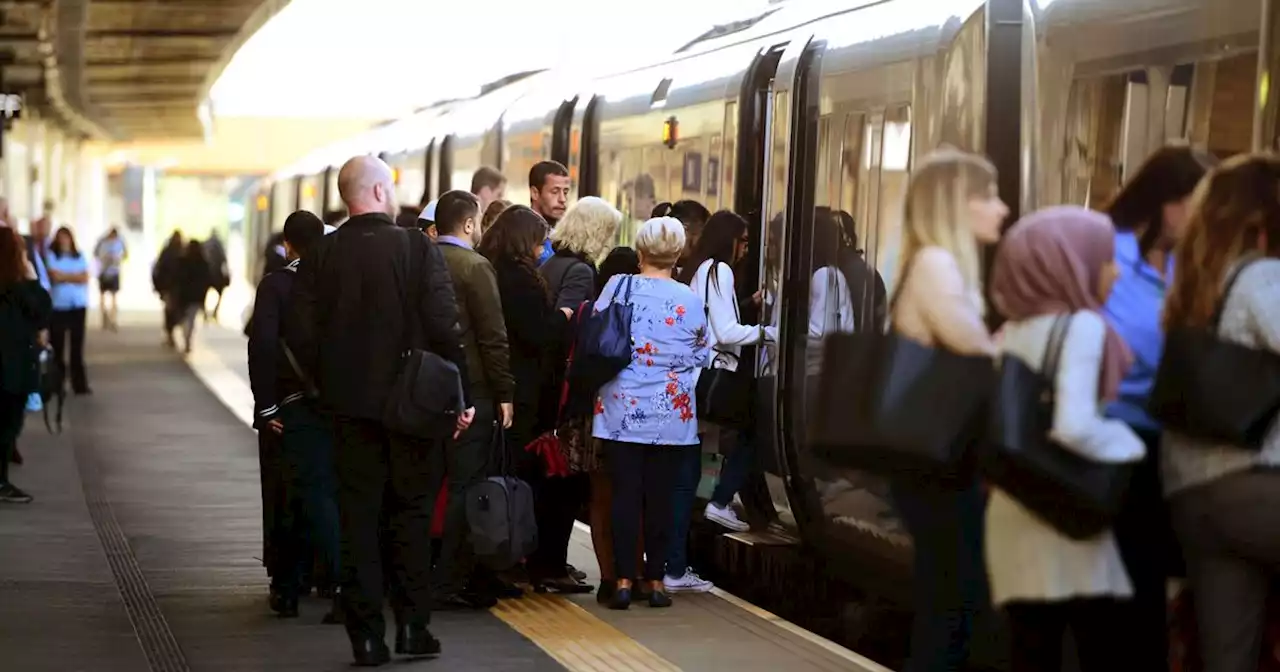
24,314
353,338
69,273
164,276
488,185
219,274
191,288
110,253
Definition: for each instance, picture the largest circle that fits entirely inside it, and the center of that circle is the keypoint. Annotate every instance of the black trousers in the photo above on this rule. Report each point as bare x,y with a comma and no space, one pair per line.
1151,554
556,501
464,460
644,479
270,446
1099,627
308,520
380,470
12,410
71,322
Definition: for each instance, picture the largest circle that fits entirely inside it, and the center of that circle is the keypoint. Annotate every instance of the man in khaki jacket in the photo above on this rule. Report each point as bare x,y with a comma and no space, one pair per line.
484,337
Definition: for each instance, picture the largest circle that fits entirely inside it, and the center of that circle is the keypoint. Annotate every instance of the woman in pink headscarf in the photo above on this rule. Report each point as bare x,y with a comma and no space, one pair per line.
1061,262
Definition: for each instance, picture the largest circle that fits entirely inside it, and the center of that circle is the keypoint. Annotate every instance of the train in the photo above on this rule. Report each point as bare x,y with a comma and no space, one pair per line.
828,104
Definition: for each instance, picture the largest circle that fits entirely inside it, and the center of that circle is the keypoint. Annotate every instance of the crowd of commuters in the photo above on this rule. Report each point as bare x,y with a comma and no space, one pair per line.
184,273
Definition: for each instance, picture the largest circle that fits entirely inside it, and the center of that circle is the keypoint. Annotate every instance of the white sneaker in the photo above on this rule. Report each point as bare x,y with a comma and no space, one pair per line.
726,517
689,583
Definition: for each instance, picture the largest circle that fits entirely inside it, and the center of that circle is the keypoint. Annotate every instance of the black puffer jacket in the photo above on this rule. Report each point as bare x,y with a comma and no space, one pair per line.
348,319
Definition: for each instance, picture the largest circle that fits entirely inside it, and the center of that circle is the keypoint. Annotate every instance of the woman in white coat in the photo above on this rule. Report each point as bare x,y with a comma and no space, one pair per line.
1060,262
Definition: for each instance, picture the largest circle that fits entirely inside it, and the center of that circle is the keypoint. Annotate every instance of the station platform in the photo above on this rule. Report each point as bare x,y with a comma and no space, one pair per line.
140,551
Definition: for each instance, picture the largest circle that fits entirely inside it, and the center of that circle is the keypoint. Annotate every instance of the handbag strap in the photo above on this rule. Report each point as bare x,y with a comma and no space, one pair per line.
409,293
1053,352
706,308
1227,287
568,363
297,368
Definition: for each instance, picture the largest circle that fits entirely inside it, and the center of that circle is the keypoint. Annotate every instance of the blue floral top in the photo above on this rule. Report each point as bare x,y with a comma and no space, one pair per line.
652,400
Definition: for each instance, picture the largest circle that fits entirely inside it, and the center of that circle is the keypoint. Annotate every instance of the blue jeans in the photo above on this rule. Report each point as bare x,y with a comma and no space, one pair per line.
684,495
735,470
950,577
310,516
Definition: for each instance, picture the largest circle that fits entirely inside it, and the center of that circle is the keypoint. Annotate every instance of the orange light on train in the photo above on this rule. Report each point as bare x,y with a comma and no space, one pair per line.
670,132
308,191
262,203
395,176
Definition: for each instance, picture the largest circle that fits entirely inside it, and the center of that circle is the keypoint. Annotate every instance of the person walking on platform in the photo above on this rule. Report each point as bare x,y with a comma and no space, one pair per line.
190,289
25,309
306,505
360,297
164,278
484,335
110,253
215,255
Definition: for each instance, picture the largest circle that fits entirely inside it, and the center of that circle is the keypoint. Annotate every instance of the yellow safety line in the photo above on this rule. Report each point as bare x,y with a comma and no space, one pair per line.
575,638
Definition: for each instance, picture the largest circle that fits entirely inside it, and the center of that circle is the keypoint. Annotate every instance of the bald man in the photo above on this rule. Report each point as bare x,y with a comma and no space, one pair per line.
350,323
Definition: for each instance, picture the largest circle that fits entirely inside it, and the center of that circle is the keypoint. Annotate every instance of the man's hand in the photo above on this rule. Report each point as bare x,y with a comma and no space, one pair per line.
464,421
568,312
276,426
506,412
42,338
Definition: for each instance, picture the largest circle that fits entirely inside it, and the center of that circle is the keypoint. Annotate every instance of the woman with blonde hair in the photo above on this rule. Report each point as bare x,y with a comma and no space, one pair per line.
579,241
1224,499
951,208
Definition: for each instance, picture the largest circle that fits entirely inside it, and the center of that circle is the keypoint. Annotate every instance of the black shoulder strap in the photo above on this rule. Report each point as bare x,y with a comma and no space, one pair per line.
1228,286
1053,351
409,285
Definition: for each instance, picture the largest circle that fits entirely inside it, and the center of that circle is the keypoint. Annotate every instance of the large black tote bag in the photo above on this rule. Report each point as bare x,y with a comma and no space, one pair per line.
426,397
890,405
1213,389
1077,496
724,396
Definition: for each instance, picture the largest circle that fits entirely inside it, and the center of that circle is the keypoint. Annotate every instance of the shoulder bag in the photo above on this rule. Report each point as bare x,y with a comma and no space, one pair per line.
1213,389
604,345
426,397
723,396
890,405
500,513
1077,496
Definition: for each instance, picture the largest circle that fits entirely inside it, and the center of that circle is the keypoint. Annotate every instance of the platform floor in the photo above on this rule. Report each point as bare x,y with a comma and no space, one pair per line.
139,552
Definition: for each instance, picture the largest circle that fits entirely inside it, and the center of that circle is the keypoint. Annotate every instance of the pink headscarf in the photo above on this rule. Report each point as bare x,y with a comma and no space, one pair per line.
1049,263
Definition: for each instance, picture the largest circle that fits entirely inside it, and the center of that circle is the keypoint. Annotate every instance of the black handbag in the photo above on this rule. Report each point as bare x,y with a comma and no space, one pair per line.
1213,389
723,396
426,397
604,345
889,405
1077,496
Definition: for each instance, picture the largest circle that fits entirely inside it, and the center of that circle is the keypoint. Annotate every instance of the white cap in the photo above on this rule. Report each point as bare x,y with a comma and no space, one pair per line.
429,212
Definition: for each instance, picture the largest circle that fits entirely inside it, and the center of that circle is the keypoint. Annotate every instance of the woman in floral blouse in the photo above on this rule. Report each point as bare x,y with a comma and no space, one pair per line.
646,415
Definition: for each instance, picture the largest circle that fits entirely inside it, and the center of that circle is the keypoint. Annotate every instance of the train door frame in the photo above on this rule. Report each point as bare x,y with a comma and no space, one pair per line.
589,153
445,179
427,173
562,131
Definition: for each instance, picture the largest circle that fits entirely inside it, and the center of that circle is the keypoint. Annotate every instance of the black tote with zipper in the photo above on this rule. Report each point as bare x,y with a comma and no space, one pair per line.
723,396
1077,496
1213,389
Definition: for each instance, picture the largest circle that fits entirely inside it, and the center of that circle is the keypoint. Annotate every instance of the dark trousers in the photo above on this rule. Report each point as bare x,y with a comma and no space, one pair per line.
465,460
373,464
644,478
13,407
737,467
1099,628
949,580
557,501
308,521
684,494
270,446
1150,552
71,322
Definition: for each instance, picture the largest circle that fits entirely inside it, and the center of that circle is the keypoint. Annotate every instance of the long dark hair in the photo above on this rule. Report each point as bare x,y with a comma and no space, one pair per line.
72,251
719,238
512,237
1169,175
12,257
619,261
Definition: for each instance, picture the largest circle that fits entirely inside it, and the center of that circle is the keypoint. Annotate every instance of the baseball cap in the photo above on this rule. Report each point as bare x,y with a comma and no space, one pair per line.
429,212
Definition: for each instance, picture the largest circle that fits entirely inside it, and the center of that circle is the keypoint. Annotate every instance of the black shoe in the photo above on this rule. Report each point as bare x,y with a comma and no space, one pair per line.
466,601
575,572
336,615
565,586
370,652
604,594
285,606
621,600
500,589
416,640
659,599
12,494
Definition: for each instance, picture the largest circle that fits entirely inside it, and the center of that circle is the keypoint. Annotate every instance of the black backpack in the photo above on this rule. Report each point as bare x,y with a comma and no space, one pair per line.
500,514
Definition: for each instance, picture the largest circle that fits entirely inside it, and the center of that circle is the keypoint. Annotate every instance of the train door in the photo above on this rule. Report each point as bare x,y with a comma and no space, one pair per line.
445,163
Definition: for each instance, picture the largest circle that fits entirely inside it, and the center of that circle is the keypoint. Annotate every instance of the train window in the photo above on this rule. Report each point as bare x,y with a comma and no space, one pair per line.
852,173
729,157
895,161
711,173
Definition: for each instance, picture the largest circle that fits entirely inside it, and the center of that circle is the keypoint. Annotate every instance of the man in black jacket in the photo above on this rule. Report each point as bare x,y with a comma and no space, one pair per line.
296,446
361,297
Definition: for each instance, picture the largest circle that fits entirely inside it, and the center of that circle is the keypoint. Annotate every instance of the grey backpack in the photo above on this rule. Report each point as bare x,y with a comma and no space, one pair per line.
500,514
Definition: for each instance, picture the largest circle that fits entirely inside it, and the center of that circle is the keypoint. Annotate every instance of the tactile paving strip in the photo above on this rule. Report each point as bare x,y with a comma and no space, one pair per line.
576,639
154,636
